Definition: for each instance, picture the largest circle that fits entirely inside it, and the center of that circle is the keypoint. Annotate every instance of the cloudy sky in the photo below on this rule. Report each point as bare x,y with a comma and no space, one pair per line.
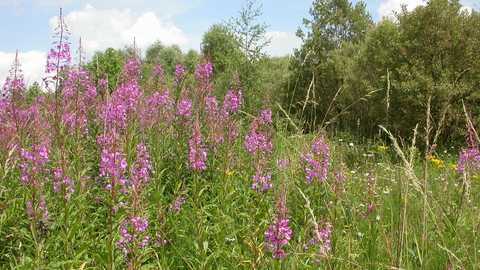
28,25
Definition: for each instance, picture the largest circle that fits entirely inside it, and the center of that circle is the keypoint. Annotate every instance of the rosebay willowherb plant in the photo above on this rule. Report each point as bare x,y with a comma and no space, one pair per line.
14,114
278,233
197,150
133,229
316,161
258,143
59,58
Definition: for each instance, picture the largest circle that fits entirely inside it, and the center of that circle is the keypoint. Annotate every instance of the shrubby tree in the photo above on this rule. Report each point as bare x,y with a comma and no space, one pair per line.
425,59
353,75
33,91
373,69
438,63
271,71
334,33
107,65
251,39
190,61
165,56
251,36
221,48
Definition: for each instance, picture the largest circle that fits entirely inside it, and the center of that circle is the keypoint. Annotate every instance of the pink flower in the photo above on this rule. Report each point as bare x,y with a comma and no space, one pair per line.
316,161
198,152
179,74
205,71
277,235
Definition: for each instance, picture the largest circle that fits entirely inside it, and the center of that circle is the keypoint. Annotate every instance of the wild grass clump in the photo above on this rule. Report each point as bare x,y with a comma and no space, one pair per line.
172,176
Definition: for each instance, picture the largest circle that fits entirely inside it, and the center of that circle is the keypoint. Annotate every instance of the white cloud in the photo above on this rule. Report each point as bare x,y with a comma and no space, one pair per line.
160,7
467,9
16,7
282,43
387,8
278,35
32,66
113,28
56,3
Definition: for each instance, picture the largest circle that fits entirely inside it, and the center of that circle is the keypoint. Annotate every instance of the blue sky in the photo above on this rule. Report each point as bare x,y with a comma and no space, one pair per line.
28,25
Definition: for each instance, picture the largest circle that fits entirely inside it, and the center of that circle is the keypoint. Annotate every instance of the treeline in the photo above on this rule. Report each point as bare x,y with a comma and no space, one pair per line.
417,69
233,47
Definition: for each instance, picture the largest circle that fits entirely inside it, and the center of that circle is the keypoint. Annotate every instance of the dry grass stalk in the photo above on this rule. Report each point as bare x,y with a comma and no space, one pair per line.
299,131
408,162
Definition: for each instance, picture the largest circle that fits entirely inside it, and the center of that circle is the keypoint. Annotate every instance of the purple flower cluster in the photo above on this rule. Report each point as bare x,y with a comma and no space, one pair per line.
157,108
211,109
158,70
222,123
205,71
278,235
184,108
142,168
232,101
321,240
265,116
179,75
63,180
113,165
258,143
129,230
231,104
316,161
77,90
261,180
259,146
32,167
40,211
371,192
198,152
214,125
282,163
123,104
124,100
177,205
72,120
61,54
14,87
131,71
58,59
76,79
469,159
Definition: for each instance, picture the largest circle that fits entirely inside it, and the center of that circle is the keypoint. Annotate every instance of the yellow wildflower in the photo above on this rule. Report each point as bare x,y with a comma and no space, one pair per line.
229,173
435,160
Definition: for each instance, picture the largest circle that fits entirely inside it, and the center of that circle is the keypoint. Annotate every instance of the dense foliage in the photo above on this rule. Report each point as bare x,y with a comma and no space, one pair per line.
354,75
